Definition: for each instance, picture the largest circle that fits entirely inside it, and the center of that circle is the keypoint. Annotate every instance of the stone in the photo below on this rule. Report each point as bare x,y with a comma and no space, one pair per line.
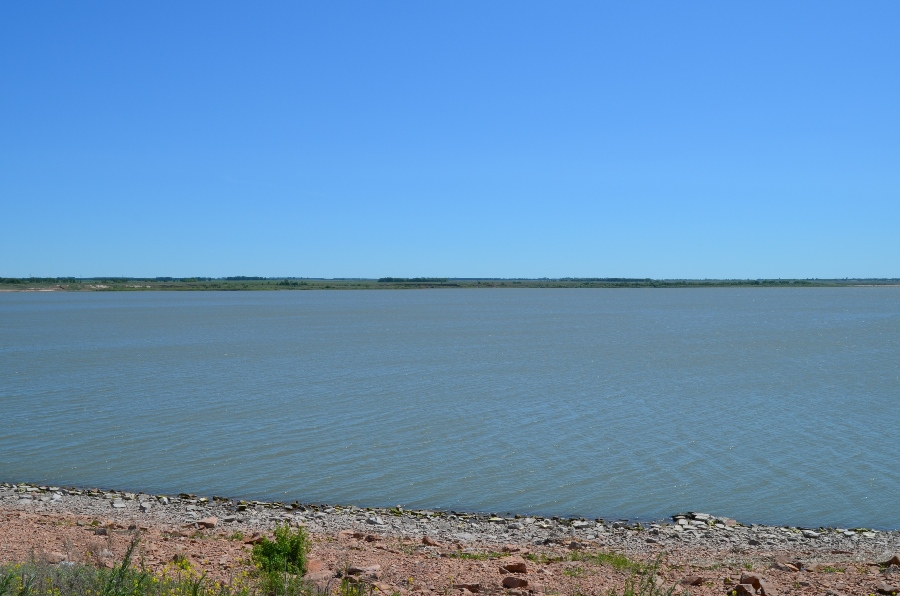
895,560
385,588
513,565
743,590
883,587
580,524
785,564
751,578
691,580
512,582
372,571
118,504
146,506
208,522
810,534
765,588
314,566
473,588
429,542
319,576
375,520
55,558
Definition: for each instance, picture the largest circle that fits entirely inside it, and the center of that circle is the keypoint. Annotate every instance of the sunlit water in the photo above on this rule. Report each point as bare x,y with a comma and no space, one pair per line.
767,405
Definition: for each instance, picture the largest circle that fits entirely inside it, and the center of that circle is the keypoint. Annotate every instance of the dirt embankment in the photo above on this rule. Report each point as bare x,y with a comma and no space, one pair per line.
424,552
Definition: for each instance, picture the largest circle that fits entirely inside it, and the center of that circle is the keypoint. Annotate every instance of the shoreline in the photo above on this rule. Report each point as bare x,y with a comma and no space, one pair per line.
564,553
645,522
250,515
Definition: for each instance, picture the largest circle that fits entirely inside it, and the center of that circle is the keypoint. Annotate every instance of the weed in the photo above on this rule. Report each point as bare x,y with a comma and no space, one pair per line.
286,554
574,571
236,535
614,560
643,583
469,556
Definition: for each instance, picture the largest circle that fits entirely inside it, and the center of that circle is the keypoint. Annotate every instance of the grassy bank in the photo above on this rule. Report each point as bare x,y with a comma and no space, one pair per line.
279,568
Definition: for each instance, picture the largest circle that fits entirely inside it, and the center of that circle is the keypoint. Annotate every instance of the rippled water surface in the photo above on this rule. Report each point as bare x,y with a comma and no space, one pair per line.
768,405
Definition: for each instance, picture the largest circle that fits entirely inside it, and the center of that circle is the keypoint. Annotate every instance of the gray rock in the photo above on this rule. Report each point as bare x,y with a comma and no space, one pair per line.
810,534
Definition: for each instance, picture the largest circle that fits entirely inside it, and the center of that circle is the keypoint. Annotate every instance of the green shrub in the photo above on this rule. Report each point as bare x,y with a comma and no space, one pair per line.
286,554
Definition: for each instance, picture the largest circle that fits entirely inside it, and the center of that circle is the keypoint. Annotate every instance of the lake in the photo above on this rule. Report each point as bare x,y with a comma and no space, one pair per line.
769,405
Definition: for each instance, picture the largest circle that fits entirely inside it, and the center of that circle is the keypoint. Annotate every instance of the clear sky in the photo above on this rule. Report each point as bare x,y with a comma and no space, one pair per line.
456,138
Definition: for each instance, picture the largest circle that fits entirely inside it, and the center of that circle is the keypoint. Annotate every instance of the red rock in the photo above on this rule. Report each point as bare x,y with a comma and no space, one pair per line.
314,566
208,522
55,558
513,565
474,588
511,581
428,541
751,578
373,571
895,560
319,576
743,590
785,564
883,587
691,580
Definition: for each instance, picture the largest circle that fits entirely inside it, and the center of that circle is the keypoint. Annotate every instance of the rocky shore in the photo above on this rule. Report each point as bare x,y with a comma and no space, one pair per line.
432,551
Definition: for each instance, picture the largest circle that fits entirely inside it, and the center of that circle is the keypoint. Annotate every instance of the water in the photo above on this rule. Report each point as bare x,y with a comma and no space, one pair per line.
768,405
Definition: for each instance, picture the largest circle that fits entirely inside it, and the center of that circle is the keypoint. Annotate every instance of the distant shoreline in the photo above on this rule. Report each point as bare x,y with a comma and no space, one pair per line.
127,284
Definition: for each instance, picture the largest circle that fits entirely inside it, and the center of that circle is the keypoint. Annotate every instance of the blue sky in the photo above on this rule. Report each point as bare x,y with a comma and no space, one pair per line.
501,139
